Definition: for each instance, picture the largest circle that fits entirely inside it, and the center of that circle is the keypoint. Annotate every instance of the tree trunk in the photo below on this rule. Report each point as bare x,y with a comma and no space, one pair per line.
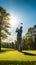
0,45
0,38
0,31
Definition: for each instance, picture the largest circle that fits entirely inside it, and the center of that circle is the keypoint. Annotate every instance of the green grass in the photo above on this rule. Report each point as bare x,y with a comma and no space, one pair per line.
14,55
30,51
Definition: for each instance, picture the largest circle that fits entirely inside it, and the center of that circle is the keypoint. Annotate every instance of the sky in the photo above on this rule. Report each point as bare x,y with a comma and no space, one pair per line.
23,11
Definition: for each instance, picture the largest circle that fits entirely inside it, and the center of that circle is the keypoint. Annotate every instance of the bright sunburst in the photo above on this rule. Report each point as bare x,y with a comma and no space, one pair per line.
13,20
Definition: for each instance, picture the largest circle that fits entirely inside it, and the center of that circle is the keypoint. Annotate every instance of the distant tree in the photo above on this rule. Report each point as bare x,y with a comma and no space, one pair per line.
4,24
29,42
24,43
34,34
13,45
34,44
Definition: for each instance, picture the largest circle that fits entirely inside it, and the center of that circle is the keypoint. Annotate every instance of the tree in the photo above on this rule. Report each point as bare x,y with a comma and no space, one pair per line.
25,45
34,43
13,45
4,24
29,42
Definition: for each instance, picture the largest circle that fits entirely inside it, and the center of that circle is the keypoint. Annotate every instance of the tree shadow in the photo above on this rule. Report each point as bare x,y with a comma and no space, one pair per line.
31,54
2,51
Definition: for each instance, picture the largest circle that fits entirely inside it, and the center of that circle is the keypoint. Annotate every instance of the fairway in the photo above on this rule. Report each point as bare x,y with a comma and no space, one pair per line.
14,55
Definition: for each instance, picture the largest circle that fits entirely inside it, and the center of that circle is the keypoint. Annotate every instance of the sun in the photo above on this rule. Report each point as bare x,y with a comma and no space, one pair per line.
13,20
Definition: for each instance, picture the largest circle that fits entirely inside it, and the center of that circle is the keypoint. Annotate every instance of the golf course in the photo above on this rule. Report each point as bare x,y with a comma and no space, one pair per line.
17,32
14,55
8,55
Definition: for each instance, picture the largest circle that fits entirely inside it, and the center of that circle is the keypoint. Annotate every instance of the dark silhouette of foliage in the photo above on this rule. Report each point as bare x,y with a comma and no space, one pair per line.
4,24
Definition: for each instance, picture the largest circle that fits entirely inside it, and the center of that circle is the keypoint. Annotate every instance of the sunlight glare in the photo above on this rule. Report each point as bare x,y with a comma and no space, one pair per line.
13,20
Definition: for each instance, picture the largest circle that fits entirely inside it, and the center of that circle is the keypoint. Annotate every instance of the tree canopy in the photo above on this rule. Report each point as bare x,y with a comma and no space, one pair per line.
4,23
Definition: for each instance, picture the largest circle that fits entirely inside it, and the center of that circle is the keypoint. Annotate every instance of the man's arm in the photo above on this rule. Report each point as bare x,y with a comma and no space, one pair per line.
17,30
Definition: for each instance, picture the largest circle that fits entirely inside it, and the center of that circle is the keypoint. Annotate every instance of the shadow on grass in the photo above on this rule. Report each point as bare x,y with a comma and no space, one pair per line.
31,54
17,62
2,51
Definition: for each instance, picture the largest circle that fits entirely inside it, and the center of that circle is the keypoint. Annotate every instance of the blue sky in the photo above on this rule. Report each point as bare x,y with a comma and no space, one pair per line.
25,10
